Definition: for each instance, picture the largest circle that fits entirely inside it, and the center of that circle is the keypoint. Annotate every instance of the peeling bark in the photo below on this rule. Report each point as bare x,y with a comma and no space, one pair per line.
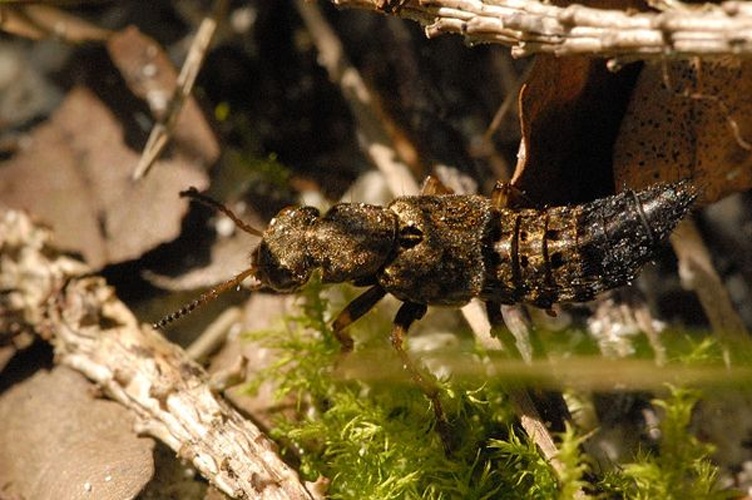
96,334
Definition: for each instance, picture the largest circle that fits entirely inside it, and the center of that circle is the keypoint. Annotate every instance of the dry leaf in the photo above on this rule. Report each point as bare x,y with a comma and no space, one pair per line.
44,21
57,441
570,110
681,123
76,176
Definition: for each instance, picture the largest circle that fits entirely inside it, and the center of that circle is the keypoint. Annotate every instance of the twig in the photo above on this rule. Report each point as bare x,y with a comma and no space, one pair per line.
39,22
697,273
214,336
531,27
94,333
375,138
162,131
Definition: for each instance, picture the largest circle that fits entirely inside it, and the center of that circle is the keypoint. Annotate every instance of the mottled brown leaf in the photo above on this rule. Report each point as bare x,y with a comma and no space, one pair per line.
75,174
57,441
689,119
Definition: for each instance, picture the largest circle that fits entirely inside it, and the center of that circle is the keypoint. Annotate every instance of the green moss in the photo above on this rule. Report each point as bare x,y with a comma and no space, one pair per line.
376,440
680,469
531,476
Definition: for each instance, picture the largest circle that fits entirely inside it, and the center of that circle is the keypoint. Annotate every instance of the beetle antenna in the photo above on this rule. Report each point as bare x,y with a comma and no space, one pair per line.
193,194
205,297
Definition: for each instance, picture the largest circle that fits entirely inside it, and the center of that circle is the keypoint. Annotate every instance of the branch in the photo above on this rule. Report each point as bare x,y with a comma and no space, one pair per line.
531,27
94,333
373,134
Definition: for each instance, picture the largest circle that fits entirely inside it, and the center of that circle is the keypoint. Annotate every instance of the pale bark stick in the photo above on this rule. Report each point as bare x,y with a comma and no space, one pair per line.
96,334
529,27
698,273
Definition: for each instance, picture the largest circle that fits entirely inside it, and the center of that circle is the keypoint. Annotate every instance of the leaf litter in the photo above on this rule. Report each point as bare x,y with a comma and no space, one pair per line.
669,131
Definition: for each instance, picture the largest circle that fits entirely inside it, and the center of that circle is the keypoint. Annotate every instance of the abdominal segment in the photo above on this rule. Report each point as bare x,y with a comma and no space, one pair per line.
569,254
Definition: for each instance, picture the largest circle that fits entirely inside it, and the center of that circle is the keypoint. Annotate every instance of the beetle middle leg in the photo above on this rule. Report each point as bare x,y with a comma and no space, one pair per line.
409,313
498,330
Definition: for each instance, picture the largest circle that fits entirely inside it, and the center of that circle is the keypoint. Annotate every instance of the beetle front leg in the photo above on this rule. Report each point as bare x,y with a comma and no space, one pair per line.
352,312
407,314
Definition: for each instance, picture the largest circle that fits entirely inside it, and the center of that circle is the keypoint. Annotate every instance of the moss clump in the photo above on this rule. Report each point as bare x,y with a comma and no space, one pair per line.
376,440
682,467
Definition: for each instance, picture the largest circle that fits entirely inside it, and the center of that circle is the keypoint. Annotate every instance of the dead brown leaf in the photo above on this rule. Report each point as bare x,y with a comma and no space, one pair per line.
76,176
689,119
570,110
58,441
45,21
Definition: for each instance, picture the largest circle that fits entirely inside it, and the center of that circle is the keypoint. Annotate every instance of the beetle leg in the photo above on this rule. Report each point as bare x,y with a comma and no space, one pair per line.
500,331
352,312
538,410
506,195
433,186
409,313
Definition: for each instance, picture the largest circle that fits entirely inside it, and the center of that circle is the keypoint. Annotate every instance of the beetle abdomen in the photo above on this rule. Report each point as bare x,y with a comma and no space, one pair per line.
569,254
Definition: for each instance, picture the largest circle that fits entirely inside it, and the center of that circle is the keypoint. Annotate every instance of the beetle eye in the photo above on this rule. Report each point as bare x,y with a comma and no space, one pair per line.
409,236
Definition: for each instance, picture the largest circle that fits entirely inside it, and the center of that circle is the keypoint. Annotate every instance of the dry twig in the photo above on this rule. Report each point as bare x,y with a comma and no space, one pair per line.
531,27
374,136
162,131
697,273
94,333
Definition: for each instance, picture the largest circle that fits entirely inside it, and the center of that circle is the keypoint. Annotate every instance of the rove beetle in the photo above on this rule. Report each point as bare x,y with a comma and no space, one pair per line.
445,249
